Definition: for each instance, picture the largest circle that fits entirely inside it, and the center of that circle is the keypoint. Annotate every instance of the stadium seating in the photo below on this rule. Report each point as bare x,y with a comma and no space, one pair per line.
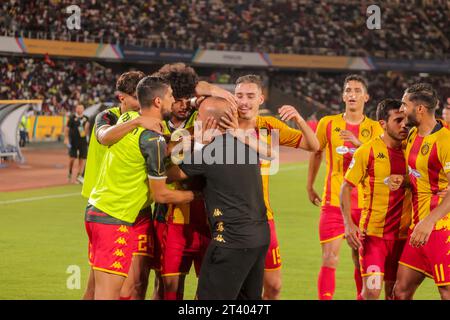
410,29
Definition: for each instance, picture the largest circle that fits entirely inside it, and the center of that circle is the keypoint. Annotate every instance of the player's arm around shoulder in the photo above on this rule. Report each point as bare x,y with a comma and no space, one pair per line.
154,149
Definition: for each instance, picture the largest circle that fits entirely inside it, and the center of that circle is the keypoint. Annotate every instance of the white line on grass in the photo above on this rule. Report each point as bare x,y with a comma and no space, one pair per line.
54,196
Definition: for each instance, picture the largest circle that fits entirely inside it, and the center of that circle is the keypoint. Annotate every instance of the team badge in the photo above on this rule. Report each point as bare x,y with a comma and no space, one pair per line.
425,149
365,133
217,213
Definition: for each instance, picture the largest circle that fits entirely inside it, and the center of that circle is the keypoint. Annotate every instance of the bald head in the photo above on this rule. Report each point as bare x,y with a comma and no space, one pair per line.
213,107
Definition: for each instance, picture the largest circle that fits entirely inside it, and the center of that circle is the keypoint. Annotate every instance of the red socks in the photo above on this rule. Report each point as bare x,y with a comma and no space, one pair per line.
170,296
358,282
326,283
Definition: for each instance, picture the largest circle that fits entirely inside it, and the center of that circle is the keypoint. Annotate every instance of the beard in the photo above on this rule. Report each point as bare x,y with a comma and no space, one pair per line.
412,120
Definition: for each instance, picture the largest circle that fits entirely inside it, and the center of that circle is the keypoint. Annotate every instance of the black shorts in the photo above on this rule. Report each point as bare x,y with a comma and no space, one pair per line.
78,149
230,274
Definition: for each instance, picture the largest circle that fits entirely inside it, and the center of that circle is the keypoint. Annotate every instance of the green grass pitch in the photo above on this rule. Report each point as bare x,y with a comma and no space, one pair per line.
40,239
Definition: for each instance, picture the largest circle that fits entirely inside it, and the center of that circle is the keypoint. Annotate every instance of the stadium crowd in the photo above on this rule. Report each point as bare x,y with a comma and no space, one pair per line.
61,84
323,90
409,29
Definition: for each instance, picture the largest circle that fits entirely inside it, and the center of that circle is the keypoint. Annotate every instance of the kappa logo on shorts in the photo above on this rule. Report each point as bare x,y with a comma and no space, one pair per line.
219,238
116,265
220,227
123,229
119,253
217,213
121,240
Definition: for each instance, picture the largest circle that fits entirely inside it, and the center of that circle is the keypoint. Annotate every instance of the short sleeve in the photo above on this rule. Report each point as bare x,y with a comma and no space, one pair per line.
153,148
321,132
357,169
444,152
105,117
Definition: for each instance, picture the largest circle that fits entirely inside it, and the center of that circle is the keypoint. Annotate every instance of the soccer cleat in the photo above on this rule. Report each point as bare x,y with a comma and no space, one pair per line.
80,179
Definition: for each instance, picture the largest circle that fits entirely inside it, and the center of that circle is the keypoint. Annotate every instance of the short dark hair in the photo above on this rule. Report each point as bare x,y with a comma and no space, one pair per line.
183,79
385,106
250,78
357,77
423,93
128,81
150,88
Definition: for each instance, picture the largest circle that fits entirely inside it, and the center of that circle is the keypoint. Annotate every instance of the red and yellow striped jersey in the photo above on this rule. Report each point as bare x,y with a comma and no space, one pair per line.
428,163
385,214
339,154
193,213
287,137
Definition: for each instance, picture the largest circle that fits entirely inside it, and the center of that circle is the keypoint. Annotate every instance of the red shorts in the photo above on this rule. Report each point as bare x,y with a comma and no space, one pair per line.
183,245
143,237
380,256
331,224
432,259
273,258
111,247
160,229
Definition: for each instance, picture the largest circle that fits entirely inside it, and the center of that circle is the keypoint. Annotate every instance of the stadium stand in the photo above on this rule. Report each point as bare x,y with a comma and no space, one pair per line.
410,29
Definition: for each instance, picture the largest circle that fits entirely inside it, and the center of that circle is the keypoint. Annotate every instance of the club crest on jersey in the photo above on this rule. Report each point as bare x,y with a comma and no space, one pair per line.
414,172
425,149
365,133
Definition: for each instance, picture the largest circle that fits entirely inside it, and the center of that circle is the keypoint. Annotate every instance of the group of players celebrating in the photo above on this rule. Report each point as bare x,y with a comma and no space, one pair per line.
383,184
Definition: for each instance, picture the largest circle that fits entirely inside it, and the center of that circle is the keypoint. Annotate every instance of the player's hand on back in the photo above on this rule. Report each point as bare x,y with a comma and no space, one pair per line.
152,124
347,135
442,193
395,181
288,112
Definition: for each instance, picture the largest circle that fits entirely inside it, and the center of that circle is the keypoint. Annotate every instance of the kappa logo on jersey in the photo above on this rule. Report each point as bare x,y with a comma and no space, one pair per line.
414,172
381,155
352,163
344,150
337,129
